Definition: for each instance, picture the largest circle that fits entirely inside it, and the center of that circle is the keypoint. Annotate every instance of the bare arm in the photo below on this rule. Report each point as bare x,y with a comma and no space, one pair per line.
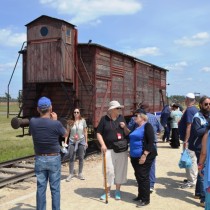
187,135
68,132
53,116
86,136
101,141
126,130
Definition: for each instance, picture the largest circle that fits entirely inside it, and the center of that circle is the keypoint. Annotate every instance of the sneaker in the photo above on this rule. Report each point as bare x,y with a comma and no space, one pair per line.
103,197
151,189
187,185
137,199
142,204
69,178
117,195
81,177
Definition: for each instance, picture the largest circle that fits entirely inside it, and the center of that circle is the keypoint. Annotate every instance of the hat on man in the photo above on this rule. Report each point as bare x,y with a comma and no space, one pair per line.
145,107
190,95
44,103
140,111
114,105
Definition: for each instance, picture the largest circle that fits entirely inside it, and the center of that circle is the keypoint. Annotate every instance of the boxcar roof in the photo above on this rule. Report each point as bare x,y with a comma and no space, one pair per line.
45,16
136,59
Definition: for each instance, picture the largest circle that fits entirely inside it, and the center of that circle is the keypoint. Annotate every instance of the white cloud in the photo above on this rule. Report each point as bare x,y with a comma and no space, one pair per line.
147,51
177,66
198,39
7,67
206,69
8,38
91,10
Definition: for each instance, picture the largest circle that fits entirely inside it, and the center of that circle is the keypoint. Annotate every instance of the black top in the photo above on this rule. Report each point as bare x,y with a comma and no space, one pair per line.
109,129
149,141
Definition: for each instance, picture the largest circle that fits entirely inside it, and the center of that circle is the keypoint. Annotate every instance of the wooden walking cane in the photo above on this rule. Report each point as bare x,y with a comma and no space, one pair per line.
105,177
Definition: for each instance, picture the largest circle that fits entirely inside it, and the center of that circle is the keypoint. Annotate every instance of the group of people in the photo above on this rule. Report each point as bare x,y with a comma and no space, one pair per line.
170,117
194,130
190,126
140,133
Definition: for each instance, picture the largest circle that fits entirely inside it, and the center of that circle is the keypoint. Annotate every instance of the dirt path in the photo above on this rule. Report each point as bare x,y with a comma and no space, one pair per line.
81,195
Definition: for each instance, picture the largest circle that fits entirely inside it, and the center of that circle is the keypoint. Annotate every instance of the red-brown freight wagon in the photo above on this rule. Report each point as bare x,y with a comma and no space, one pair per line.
85,75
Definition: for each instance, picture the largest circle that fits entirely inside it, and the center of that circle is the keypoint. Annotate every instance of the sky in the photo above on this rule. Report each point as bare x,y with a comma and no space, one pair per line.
174,35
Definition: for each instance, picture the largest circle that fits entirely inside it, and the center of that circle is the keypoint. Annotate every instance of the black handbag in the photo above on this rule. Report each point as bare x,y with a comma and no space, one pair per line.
120,146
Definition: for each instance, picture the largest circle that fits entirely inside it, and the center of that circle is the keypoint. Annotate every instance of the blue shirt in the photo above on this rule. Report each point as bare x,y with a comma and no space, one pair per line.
152,119
198,128
136,142
187,117
45,133
165,114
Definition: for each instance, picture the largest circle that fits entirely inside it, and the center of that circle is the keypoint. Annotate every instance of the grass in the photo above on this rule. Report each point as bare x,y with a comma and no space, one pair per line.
13,107
12,144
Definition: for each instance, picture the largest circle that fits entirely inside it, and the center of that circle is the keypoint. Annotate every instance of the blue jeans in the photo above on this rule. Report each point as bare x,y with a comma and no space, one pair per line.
81,154
167,131
152,176
48,168
199,188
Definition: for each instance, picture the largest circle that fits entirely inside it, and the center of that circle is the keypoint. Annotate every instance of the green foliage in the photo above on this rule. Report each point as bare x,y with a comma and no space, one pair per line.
7,96
13,144
176,99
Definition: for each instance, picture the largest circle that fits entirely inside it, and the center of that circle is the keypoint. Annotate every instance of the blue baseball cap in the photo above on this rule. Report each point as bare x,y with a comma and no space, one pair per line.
44,103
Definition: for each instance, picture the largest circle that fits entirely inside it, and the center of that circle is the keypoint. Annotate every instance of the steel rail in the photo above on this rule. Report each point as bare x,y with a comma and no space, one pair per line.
11,162
24,175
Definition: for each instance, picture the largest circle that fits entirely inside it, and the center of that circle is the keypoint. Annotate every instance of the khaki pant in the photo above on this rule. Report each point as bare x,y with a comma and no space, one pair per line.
192,172
116,167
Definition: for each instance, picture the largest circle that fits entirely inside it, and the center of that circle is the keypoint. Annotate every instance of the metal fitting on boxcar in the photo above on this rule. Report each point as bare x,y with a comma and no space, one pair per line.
19,122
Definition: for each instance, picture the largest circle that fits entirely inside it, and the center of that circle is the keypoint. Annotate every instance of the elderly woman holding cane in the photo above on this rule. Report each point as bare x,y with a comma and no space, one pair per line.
142,154
111,134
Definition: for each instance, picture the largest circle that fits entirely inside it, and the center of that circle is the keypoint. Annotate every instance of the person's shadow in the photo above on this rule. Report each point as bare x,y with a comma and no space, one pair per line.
173,189
23,206
95,193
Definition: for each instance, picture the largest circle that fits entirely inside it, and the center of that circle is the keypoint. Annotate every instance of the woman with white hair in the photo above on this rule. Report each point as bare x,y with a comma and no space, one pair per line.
112,129
142,154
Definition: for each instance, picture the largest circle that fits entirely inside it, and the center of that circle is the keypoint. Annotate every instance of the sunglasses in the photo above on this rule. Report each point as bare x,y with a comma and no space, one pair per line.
76,112
118,108
207,104
135,115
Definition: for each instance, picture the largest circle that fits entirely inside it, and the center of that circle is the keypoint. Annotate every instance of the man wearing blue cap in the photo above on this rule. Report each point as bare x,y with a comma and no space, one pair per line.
46,131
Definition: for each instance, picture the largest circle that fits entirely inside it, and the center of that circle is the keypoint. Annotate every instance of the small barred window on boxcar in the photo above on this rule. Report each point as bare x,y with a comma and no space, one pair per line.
68,36
44,31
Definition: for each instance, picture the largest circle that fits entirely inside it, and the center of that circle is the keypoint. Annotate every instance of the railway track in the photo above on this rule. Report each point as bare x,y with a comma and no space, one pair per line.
16,170
19,169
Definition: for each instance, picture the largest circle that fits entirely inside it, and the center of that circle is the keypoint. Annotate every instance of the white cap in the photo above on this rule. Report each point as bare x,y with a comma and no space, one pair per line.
190,95
114,104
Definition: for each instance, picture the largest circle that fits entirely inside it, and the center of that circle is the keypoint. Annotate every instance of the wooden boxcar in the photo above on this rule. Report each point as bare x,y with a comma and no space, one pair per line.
85,75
